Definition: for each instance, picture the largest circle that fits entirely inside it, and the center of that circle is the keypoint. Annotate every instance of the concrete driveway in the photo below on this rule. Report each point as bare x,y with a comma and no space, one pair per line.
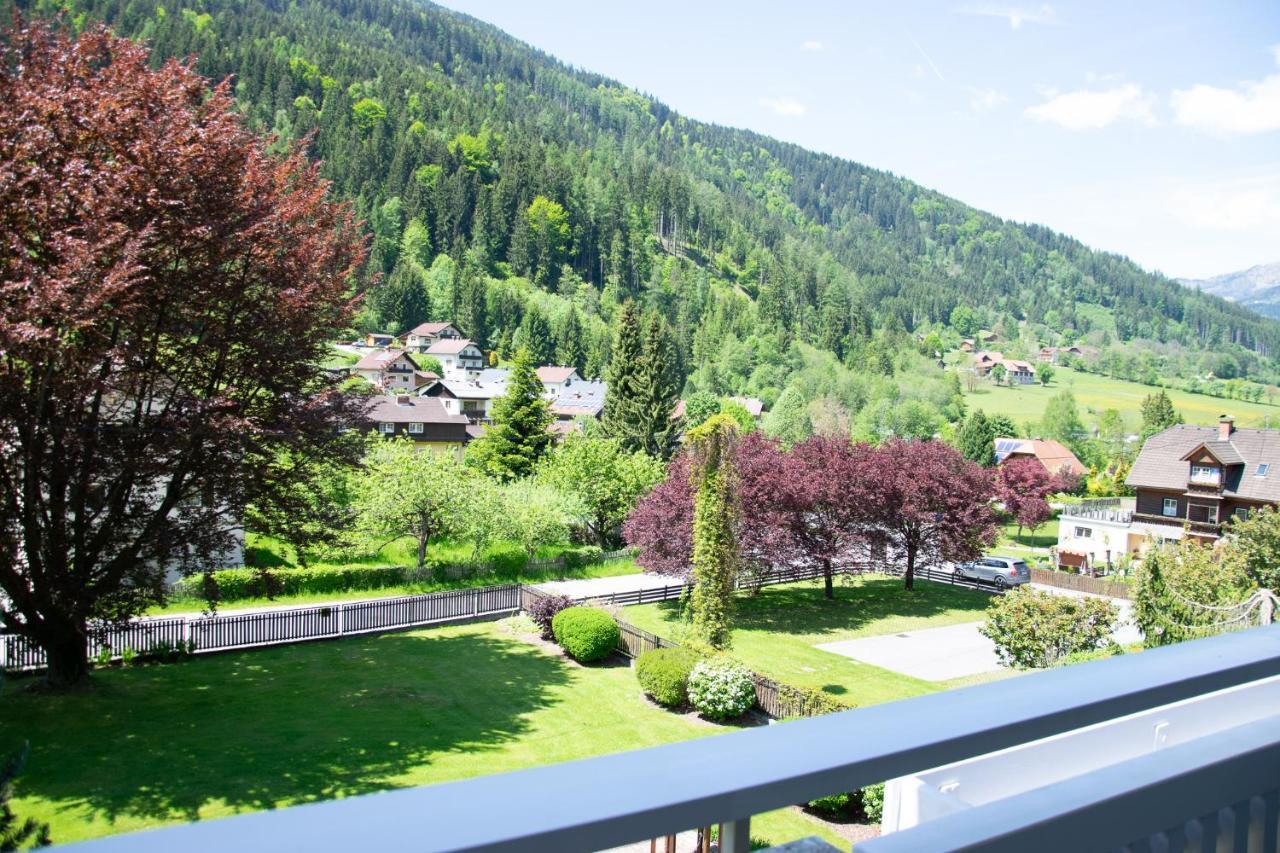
956,651
585,588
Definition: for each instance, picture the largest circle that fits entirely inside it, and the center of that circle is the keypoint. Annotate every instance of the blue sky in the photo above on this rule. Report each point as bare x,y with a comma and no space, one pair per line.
1149,129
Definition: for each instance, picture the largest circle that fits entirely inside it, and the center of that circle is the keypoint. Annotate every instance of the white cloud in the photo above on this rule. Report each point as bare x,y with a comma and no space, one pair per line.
985,100
812,46
1252,107
784,106
1015,15
1087,109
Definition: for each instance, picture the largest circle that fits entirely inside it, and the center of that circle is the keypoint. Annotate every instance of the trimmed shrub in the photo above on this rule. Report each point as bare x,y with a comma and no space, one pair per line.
586,633
721,688
544,609
873,802
258,583
582,555
834,806
1035,629
664,675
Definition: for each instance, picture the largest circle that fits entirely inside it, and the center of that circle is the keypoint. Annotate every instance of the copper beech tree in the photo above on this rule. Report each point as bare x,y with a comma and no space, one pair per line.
167,290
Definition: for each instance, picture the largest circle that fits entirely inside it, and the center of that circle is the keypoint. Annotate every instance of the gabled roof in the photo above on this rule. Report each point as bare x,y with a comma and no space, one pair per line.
1015,364
424,377
1223,451
1163,464
380,359
554,375
584,398
428,329
449,346
1053,455
405,408
474,390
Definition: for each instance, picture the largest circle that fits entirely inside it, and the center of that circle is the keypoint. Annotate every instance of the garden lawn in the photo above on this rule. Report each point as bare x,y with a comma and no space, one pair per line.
1020,545
1095,393
292,724
775,631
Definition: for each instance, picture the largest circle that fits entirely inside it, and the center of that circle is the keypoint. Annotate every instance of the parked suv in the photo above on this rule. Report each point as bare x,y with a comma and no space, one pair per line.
1001,571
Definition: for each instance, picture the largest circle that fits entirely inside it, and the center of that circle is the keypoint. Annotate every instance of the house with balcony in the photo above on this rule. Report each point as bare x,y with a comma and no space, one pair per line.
391,370
1191,479
460,358
421,337
1188,481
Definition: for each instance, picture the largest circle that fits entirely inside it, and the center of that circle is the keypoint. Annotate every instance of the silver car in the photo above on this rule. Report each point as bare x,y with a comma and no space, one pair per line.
1001,571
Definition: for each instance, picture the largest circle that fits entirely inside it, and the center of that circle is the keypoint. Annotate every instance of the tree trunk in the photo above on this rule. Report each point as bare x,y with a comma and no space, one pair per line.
68,655
826,580
911,568
422,552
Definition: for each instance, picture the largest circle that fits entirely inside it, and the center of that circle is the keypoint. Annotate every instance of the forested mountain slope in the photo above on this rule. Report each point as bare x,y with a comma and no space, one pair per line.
497,180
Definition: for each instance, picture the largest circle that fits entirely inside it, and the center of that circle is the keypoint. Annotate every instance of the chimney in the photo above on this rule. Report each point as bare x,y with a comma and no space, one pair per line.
1226,426
402,399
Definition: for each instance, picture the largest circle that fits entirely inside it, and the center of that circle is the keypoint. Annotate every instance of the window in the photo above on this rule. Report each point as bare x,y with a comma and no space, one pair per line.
1211,513
1204,473
386,428
1084,532
416,429
1263,468
1242,512
1171,507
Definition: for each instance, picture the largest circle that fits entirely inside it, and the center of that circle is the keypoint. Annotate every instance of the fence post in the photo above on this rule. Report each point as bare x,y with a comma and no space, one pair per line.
186,631
342,618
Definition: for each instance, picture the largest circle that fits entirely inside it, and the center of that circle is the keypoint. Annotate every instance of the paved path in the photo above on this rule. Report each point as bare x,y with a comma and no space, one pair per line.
595,587
956,651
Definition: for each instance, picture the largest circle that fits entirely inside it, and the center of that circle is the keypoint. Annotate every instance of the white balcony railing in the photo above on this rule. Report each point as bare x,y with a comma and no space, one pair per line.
1222,790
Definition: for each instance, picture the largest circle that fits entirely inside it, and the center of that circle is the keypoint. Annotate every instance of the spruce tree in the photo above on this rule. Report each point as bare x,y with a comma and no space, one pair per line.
975,439
620,417
518,436
570,349
1158,414
401,301
535,336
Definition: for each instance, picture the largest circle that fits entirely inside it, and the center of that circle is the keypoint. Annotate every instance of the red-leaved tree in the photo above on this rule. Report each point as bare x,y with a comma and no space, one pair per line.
1022,484
927,502
821,527
167,291
661,525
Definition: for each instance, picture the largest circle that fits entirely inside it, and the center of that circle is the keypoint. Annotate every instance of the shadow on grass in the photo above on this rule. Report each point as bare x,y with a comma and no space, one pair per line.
800,608
265,728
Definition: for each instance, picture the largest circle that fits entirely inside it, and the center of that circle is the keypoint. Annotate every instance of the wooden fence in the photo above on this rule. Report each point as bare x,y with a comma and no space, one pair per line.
201,634
1081,583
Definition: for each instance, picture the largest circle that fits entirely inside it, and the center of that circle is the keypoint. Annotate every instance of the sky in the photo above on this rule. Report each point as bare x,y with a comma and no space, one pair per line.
1151,129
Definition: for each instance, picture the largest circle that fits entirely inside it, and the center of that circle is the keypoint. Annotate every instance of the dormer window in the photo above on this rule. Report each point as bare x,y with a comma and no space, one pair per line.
1204,474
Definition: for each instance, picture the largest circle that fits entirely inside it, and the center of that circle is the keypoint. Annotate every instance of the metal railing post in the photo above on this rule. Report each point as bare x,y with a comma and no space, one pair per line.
735,837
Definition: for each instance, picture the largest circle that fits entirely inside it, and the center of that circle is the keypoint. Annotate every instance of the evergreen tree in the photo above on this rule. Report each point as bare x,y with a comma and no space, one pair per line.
535,336
788,420
1003,425
401,302
975,440
621,418
570,347
518,436
657,388
1158,414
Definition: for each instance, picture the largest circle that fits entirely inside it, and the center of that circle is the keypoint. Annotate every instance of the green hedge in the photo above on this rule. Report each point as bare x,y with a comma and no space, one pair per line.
234,584
664,675
586,633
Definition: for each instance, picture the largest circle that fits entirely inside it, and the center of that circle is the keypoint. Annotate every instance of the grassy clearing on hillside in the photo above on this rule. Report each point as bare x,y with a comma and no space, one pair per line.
1095,393
272,727
776,631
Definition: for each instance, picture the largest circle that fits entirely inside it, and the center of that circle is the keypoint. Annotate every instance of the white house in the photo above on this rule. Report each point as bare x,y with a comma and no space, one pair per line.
421,337
460,358
391,370
556,379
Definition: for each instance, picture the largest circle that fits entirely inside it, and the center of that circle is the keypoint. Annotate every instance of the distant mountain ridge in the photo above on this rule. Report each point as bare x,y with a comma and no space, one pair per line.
1257,287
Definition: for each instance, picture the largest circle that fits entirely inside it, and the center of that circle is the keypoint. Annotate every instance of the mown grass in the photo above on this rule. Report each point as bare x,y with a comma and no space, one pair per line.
1027,542
273,727
775,631
1094,394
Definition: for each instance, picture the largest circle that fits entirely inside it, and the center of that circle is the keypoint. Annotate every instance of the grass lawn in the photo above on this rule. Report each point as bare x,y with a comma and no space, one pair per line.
1045,537
1095,393
778,628
293,724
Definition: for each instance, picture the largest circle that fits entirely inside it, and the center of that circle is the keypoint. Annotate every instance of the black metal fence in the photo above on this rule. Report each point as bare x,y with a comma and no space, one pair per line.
272,627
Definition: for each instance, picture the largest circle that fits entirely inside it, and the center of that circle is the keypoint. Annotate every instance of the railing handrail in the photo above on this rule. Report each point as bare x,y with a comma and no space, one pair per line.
611,800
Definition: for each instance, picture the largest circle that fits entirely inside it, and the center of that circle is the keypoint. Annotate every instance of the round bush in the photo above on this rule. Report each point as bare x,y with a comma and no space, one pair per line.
721,688
664,675
586,633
